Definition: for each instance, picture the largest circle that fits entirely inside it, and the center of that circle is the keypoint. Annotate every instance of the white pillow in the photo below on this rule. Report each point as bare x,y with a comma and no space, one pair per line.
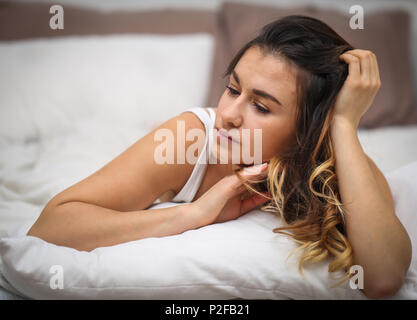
49,85
242,258
390,147
70,105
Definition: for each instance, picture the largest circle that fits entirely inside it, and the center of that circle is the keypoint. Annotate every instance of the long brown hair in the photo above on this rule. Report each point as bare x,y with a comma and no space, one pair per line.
302,181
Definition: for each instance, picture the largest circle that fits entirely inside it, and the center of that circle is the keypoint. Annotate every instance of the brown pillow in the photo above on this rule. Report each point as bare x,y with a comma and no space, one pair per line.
394,103
31,20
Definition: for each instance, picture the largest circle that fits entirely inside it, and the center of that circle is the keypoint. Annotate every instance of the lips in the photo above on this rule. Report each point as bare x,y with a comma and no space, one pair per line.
225,134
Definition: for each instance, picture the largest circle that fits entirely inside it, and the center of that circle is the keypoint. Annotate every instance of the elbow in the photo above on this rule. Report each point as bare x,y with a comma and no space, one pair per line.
388,284
38,230
385,288
45,227
57,237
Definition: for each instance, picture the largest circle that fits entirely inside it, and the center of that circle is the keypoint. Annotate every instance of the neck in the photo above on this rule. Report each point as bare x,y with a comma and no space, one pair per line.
222,170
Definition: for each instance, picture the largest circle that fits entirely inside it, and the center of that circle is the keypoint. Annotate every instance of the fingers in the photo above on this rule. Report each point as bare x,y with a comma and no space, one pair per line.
354,66
367,61
363,67
233,184
252,202
259,170
375,80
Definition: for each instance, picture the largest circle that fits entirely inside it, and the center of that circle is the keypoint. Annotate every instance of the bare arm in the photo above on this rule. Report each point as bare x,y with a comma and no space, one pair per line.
380,243
85,226
109,206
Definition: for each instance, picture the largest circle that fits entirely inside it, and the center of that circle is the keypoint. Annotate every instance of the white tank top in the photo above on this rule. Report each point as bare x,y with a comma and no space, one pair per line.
190,188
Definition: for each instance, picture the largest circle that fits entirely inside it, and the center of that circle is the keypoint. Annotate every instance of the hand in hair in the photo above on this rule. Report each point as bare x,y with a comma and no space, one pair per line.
225,200
360,87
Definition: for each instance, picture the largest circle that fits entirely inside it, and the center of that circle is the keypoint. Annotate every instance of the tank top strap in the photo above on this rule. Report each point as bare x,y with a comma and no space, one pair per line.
192,185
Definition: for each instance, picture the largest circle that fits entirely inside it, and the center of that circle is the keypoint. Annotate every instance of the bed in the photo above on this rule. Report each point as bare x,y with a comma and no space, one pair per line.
71,100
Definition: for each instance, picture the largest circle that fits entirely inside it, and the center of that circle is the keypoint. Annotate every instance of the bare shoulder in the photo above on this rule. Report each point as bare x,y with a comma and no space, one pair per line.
134,179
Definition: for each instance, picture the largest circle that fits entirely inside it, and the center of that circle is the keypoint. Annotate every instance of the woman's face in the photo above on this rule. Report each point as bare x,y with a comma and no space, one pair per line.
261,95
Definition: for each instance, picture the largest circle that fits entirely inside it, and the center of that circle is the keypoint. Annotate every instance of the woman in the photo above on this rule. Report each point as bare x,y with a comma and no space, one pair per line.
307,89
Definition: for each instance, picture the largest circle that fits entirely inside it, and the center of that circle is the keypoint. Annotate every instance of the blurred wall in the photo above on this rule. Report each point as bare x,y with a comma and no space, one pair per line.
342,5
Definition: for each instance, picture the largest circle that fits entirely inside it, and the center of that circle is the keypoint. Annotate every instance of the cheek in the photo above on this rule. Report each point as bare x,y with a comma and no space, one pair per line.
222,101
275,139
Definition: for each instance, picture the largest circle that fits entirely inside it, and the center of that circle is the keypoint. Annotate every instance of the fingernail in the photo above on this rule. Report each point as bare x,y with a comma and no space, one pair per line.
255,169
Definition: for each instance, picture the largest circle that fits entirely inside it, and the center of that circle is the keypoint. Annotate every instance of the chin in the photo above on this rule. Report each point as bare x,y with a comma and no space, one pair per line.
229,159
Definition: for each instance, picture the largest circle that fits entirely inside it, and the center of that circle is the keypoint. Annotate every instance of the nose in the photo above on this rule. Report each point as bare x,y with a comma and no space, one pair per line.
232,115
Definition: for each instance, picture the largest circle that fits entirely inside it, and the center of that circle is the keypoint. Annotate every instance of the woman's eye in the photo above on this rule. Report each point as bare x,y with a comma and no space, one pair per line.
260,109
232,91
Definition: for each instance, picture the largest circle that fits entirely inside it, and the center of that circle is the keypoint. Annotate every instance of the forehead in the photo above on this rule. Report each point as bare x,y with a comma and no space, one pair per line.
269,73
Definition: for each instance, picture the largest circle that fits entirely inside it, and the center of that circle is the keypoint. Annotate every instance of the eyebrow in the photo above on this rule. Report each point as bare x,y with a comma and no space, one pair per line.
258,92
